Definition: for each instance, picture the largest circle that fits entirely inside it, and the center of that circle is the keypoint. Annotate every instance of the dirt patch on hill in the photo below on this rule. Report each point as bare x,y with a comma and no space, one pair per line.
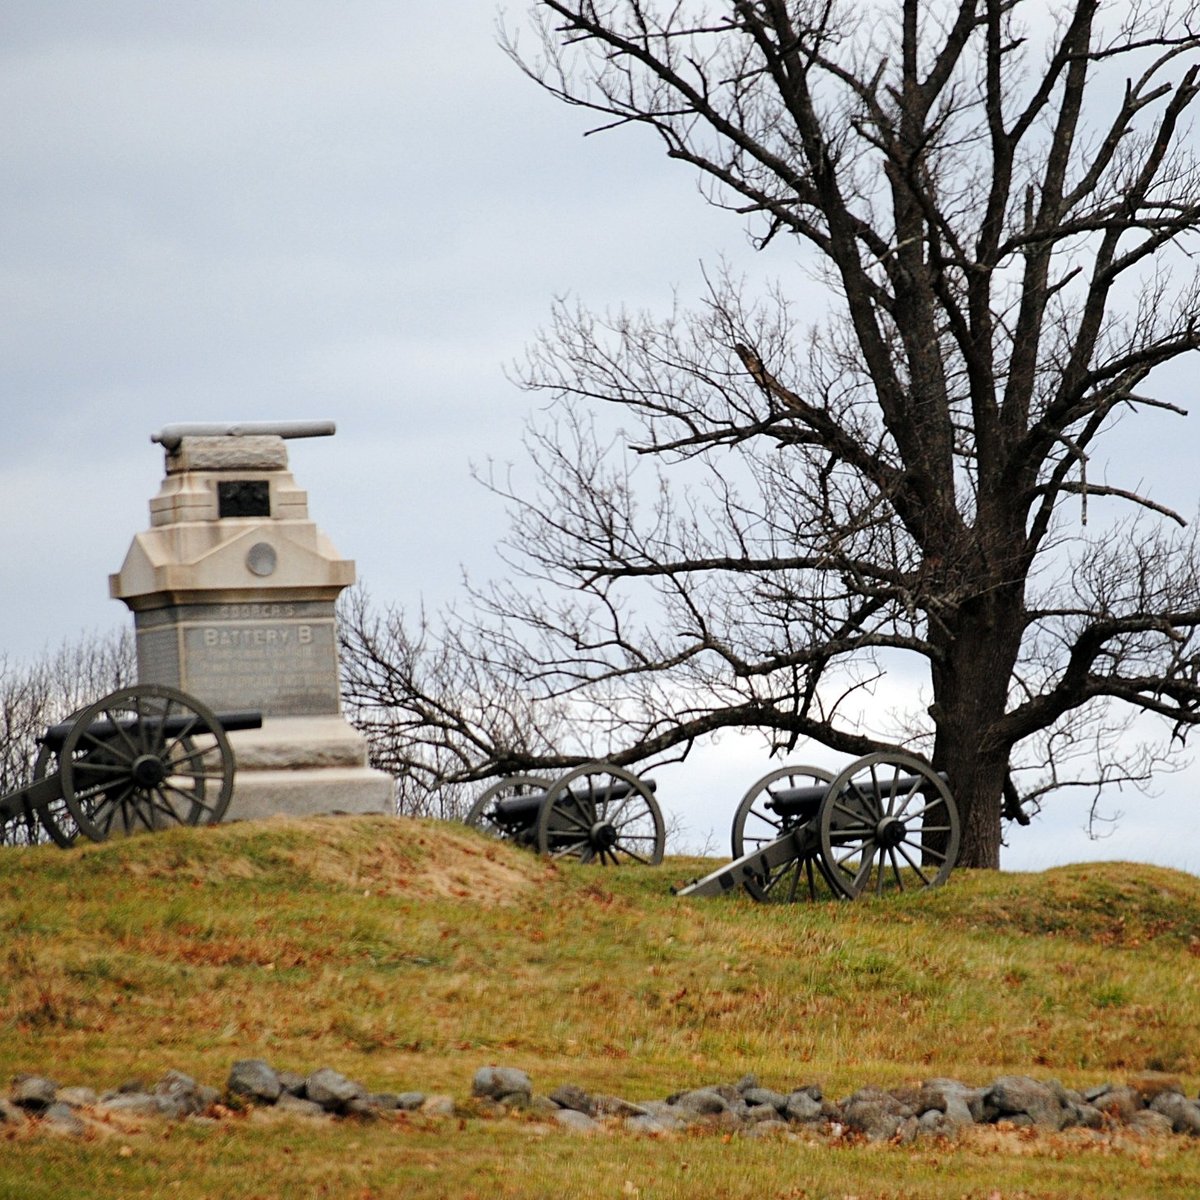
420,859
378,856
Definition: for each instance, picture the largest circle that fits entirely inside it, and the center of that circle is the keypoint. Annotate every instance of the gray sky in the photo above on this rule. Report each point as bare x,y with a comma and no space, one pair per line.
241,210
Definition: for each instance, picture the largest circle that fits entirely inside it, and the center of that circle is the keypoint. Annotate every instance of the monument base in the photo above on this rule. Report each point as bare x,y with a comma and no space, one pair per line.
303,767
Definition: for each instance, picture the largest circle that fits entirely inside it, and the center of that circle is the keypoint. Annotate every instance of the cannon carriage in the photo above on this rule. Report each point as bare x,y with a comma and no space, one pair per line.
595,813
886,823
142,758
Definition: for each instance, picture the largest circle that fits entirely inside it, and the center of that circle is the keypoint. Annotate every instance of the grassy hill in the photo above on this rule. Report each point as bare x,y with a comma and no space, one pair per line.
407,954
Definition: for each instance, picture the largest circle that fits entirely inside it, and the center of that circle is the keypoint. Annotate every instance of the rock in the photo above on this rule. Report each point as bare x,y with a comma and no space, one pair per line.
1149,1124
297,1105
802,1108
60,1118
1119,1102
746,1083
179,1095
567,1095
701,1102
361,1107
655,1124
908,1097
77,1097
1017,1095
962,1104
1184,1114
254,1079
729,1120
332,1090
175,1107
757,1113
1087,1115
878,1115
175,1083
765,1128
758,1095
502,1084
33,1092
11,1114
576,1121
438,1106
614,1106
936,1123
670,1115
409,1101
293,1082
137,1104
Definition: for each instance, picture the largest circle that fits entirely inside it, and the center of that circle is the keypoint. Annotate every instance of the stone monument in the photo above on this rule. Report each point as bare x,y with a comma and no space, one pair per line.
232,590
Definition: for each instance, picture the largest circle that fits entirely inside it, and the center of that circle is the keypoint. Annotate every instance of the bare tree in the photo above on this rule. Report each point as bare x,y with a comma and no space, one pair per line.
435,710
1000,198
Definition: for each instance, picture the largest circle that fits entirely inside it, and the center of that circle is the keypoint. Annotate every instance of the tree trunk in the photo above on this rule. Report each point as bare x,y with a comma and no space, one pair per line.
970,687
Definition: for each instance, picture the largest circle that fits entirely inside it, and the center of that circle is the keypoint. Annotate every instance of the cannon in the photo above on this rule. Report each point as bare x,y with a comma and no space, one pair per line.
170,436
596,813
886,823
141,758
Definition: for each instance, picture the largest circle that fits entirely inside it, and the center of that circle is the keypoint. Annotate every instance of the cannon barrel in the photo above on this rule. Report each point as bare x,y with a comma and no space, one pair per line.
172,726
794,800
797,800
516,808
171,435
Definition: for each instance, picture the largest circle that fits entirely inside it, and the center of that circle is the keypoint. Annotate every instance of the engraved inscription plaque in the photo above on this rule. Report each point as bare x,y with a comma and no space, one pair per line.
278,657
288,668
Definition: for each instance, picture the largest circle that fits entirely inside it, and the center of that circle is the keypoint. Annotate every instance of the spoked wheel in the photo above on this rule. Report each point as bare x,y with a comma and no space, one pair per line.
144,758
485,814
47,820
758,823
600,813
54,815
888,824
19,826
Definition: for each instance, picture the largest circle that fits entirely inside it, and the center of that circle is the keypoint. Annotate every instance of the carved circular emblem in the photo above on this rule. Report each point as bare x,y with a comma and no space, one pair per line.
261,558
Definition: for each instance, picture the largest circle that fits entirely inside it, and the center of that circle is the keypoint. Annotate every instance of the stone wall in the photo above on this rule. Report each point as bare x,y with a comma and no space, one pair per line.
1144,1105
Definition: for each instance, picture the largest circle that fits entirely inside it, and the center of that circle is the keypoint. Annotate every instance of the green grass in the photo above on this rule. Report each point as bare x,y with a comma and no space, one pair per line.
407,954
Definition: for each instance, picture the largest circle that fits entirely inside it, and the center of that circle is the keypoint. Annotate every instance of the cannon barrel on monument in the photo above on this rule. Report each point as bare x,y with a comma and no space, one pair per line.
170,436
